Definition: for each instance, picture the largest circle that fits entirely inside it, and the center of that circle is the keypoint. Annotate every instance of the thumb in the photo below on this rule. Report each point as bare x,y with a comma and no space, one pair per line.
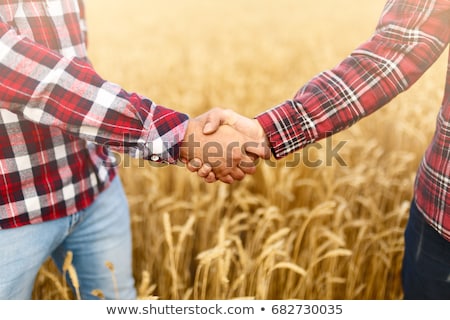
210,127
214,119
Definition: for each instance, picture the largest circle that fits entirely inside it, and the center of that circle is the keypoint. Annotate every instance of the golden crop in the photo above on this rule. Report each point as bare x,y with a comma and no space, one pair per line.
290,231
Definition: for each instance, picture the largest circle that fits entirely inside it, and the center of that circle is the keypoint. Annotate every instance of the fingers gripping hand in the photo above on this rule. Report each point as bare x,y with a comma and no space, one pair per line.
217,117
218,156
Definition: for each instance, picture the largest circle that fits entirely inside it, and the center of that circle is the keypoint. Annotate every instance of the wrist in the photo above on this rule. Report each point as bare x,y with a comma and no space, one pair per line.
190,146
260,133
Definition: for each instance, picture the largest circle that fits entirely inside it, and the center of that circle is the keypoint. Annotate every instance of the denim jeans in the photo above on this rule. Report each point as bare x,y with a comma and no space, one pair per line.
426,261
95,235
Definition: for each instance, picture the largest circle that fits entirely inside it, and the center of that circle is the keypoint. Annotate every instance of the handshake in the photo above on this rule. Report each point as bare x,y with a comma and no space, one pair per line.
222,145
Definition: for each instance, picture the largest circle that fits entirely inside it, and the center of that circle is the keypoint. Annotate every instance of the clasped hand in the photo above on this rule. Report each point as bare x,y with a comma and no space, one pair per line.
222,145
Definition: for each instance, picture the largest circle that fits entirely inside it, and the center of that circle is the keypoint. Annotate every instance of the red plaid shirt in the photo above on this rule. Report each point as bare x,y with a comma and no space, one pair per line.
59,118
410,36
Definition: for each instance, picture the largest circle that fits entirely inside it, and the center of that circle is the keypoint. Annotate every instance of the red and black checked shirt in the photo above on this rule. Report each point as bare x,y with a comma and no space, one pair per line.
59,118
410,36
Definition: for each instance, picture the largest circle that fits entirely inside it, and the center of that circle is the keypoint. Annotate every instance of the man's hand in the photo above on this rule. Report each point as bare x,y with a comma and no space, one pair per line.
214,119
222,153
251,128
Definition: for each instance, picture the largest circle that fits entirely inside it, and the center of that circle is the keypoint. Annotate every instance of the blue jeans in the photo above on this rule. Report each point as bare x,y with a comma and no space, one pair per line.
95,235
426,261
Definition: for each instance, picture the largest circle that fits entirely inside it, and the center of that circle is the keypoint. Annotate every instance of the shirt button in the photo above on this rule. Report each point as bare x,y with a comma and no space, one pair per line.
155,158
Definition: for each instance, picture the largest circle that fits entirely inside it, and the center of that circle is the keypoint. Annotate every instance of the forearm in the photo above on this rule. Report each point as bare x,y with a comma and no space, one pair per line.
410,36
47,88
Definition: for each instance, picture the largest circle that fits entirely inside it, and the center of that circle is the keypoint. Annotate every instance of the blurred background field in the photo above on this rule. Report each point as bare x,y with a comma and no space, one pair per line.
291,231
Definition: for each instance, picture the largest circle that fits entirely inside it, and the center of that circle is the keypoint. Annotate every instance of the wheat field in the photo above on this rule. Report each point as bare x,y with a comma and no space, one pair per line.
292,230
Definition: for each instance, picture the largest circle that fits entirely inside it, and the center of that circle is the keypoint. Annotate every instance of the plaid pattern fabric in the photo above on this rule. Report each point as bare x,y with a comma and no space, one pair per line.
410,36
59,118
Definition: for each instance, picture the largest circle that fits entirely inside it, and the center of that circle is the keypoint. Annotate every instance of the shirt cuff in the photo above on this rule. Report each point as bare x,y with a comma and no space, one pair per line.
283,126
162,142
